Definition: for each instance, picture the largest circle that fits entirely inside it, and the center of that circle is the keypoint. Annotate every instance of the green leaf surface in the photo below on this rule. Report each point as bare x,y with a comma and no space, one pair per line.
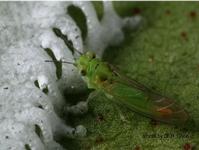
163,54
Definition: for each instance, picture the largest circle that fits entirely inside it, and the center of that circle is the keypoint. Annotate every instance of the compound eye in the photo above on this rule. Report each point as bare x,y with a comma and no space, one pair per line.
93,55
83,72
103,78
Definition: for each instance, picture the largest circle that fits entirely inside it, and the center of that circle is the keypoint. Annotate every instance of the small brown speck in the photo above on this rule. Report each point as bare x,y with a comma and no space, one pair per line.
153,122
183,34
99,140
193,14
167,12
187,146
137,147
136,11
99,118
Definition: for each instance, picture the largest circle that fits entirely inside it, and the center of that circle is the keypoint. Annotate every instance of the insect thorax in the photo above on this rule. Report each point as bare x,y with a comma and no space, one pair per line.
98,73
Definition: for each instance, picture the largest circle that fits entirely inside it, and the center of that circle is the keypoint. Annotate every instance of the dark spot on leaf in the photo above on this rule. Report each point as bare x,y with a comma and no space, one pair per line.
5,88
6,137
167,12
99,140
137,147
99,118
136,11
187,146
153,122
18,64
183,34
193,14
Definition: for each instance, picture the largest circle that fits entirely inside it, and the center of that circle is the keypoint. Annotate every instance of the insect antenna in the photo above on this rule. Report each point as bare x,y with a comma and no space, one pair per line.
77,51
67,62
70,45
67,41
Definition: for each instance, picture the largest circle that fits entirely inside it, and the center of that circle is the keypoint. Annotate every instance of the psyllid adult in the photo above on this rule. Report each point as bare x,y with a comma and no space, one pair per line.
103,77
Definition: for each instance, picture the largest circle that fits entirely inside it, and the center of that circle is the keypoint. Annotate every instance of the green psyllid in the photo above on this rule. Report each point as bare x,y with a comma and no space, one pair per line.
103,77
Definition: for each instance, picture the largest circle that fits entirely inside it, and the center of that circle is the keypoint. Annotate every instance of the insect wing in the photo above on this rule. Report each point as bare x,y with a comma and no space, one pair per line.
163,108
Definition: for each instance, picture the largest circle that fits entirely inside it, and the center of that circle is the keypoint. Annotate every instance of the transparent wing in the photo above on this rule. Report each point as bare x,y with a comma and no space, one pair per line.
164,109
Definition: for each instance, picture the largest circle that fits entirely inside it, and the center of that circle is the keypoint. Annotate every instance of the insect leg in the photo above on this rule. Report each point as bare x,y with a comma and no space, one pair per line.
78,109
82,106
92,95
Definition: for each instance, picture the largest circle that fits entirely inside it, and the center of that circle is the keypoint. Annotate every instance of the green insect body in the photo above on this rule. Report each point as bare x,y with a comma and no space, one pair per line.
103,77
